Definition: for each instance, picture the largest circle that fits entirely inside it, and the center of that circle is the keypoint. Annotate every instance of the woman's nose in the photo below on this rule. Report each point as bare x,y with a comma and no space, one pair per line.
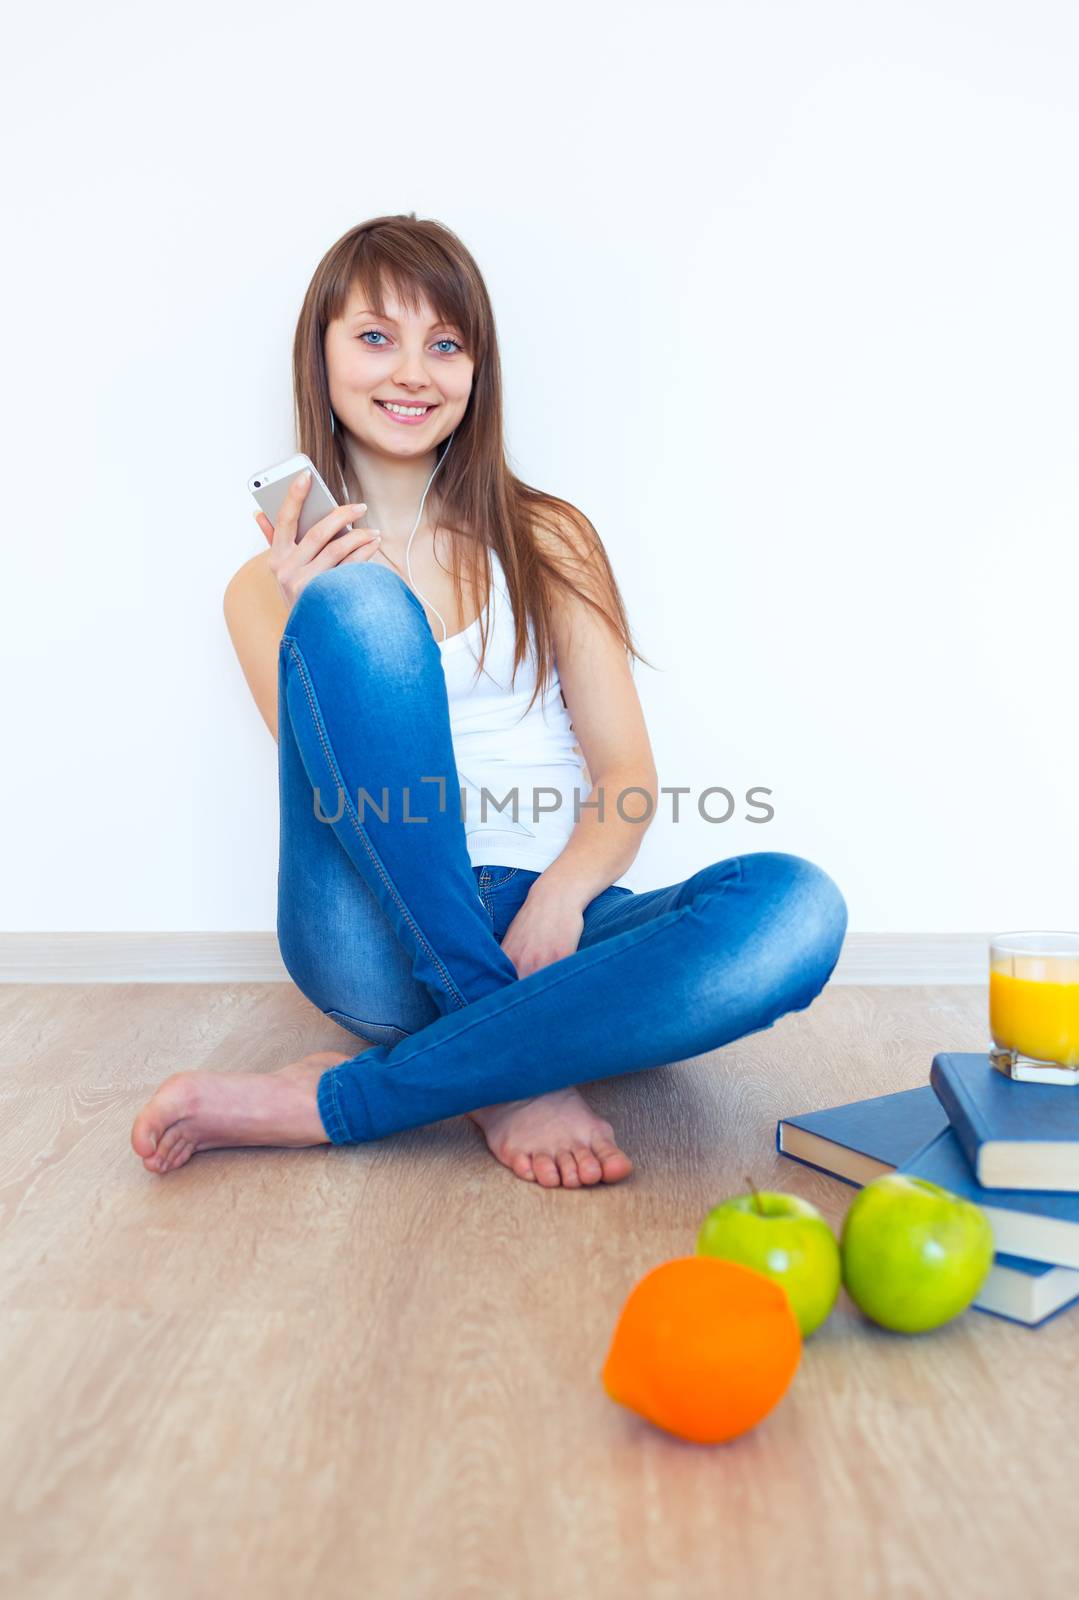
411,370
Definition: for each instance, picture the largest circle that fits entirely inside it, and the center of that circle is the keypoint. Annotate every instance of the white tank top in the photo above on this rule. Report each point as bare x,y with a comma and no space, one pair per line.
518,759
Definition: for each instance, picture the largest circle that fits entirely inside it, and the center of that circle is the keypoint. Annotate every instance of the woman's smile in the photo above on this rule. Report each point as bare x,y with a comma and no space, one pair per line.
402,413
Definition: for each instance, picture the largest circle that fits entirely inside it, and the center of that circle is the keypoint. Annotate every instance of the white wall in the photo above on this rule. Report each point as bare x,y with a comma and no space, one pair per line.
821,259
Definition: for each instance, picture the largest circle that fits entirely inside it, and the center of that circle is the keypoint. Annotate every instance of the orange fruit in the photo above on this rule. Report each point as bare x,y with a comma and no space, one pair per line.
704,1348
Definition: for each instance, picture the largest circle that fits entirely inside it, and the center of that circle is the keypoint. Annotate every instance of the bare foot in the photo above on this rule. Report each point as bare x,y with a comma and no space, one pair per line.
193,1111
554,1139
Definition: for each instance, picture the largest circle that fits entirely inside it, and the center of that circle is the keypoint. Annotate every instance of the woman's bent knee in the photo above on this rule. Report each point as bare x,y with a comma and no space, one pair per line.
804,908
358,622
365,599
816,895
326,995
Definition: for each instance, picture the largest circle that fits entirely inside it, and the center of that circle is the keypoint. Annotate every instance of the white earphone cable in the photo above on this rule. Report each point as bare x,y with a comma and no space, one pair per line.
408,546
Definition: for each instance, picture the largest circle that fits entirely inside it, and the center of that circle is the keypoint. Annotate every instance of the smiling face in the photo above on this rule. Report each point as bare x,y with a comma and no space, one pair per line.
408,360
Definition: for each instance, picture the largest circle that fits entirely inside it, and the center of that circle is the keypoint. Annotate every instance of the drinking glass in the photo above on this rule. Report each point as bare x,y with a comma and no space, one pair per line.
1034,1006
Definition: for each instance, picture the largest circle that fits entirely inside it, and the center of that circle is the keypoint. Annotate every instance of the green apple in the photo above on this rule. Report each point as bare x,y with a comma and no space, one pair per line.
784,1237
914,1255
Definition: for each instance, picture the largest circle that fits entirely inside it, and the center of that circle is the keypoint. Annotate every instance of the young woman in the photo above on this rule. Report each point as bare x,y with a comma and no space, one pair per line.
449,883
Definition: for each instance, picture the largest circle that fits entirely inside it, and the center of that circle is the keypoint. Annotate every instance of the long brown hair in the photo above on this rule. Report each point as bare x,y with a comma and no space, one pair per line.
481,501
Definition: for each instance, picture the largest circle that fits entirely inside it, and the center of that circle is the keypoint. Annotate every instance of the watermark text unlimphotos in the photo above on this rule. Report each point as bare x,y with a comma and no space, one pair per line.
714,804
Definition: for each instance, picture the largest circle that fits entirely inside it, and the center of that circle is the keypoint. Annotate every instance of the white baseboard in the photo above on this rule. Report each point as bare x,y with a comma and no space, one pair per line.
141,958
255,958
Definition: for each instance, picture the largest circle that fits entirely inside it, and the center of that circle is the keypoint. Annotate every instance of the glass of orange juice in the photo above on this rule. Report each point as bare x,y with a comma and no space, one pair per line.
1034,1006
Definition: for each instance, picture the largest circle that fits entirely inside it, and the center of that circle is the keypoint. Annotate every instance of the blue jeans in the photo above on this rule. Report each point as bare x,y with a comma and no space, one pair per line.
387,927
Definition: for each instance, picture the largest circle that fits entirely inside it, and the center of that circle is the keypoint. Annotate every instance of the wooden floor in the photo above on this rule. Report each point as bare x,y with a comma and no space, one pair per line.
373,1370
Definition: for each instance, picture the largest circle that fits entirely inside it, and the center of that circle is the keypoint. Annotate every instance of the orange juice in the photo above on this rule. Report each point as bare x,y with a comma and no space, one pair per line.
1034,1008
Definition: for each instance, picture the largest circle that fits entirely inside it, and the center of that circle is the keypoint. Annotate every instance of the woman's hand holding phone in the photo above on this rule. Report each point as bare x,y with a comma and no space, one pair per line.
323,546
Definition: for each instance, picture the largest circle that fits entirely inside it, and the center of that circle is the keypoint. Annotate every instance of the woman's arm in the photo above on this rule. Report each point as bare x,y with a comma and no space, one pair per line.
608,720
256,613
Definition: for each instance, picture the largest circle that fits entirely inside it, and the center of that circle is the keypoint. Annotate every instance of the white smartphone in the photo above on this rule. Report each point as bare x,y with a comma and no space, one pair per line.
270,487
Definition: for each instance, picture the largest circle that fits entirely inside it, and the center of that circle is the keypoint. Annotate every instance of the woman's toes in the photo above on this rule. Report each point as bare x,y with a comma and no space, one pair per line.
567,1166
173,1099
160,1158
145,1132
587,1164
181,1154
546,1172
522,1166
616,1164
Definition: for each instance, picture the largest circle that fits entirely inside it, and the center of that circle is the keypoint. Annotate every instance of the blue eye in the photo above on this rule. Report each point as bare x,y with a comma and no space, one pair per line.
376,333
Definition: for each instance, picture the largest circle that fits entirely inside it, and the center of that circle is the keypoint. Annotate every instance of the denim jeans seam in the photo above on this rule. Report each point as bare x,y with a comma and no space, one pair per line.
487,888
333,1012
337,1124
301,667
349,1136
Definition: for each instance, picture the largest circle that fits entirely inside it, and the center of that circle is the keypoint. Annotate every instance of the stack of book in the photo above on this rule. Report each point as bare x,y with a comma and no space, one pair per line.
1011,1147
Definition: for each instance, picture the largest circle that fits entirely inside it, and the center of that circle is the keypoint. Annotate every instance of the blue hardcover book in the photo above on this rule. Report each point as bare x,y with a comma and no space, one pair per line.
1026,1291
1025,1222
1015,1135
859,1142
